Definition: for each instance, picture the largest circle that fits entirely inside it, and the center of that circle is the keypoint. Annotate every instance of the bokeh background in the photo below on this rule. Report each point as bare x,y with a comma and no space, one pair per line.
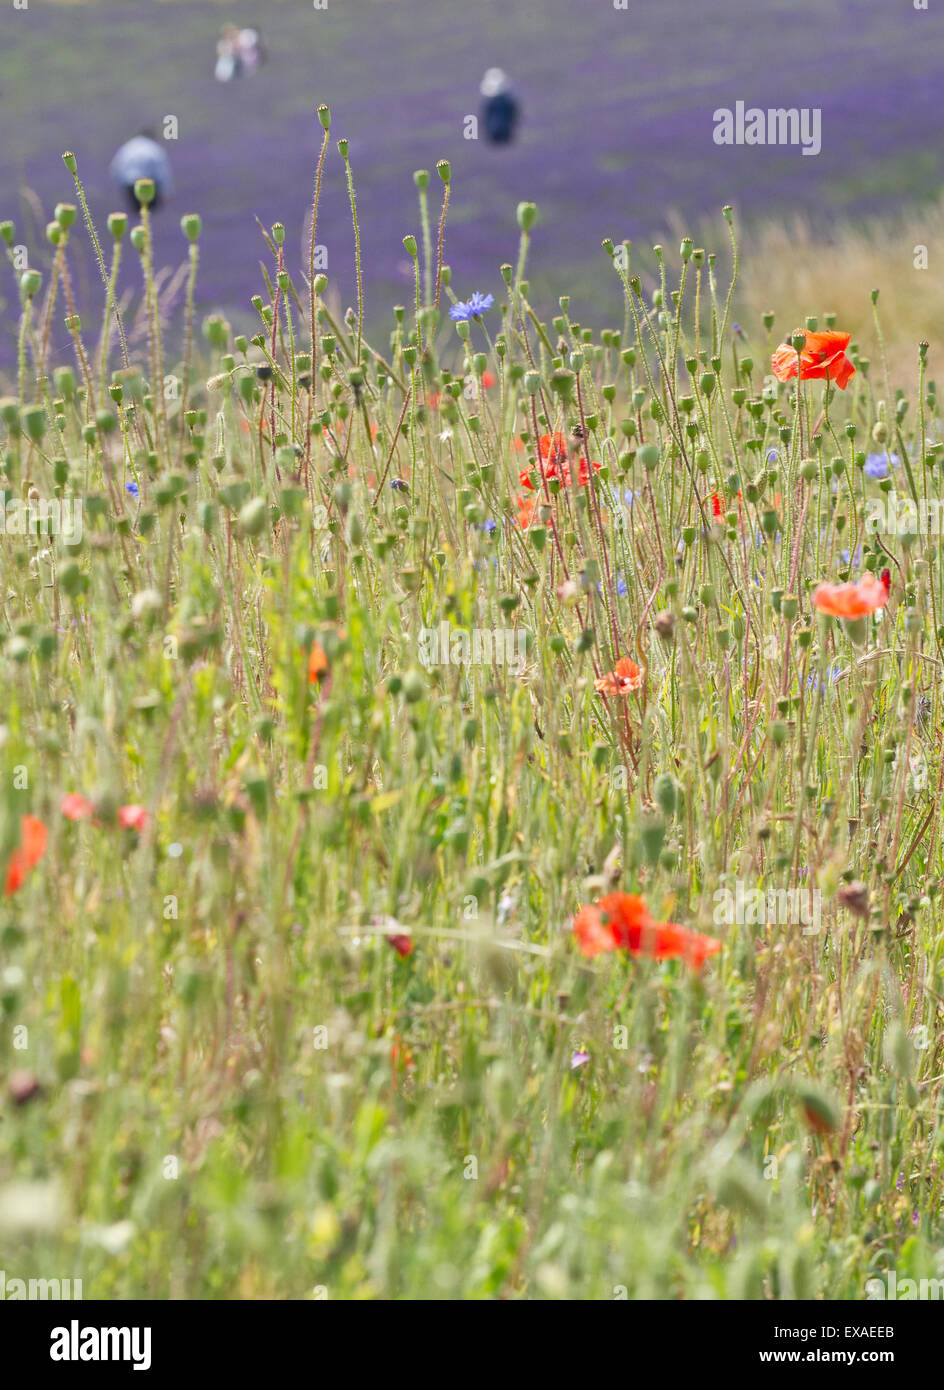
616,137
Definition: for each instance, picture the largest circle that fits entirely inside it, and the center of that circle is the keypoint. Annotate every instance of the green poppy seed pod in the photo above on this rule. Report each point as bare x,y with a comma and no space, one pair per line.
414,687
191,224
444,170
283,280
117,224
768,319
770,522
577,361
324,116
666,794
899,1050
252,516
321,284
64,378
409,246
648,456
798,340
879,432
117,392
342,149
686,248
421,178
706,595
145,191
9,412
562,383
812,324
446,276
789,607
30,283
532,383
68,160
706,383
808,469
33,419
525,288
54,233
278,233
138,238
463,330
652,838
607,244
527,216
698,256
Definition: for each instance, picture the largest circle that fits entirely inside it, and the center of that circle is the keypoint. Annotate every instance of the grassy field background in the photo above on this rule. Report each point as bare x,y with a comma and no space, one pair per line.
616,138
292,1002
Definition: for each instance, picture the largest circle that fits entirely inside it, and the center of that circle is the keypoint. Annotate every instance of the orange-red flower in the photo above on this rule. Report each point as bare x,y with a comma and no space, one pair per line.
27,853
317,663
822,356
132,817
851,601
622,922
75,806
554,463
402,944
527,511
624,677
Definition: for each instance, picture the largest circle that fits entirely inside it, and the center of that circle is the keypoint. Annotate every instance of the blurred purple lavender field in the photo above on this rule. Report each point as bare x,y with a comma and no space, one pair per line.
616,135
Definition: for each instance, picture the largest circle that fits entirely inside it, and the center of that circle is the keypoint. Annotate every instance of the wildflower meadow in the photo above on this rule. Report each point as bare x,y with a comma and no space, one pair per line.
470,794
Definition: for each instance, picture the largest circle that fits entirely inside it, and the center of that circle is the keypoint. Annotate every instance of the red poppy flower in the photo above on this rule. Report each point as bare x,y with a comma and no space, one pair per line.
527,511
27,853
132,817
489,379
822,356
717,508
886,578
317,663
554,463
75,806
624,677
852,601
402,944
621,921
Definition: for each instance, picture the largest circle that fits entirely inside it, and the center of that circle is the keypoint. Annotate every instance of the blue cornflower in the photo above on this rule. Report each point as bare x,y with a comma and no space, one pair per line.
487,526
620,586
475,307
877,465
399,485
853,560
132,488
831,674
772,456
629,497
